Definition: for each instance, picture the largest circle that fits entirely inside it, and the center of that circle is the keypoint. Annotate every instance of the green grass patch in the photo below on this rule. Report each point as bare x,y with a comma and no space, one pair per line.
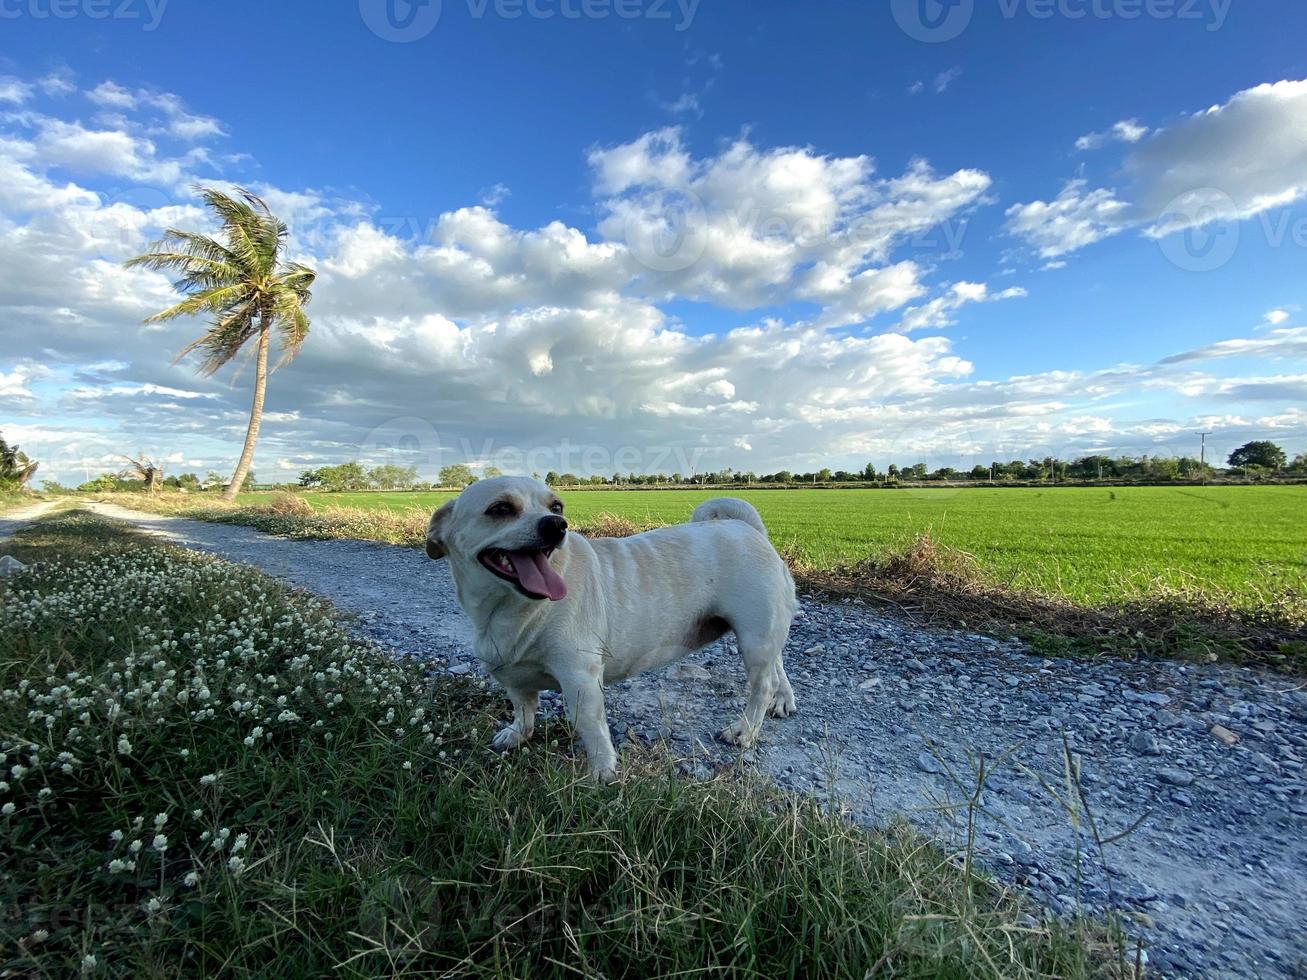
203,775
1088,545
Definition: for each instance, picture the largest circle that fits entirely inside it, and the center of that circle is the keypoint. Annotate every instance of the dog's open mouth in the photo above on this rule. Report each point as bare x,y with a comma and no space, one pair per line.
530,571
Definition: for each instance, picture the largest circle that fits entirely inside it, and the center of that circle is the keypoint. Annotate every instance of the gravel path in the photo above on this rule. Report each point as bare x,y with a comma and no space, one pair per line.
892,719
14,519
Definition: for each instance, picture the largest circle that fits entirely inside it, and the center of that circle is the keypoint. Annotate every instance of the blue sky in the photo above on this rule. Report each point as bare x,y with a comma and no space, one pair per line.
1056,226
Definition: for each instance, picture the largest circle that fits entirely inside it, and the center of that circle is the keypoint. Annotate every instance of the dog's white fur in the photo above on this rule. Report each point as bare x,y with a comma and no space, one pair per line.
632,604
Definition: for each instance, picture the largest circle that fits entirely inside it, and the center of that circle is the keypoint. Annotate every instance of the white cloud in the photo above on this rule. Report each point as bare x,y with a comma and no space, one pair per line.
1226,163
1252,150
57,83
748,227
687,105
1276,317
14,90
946,78
1126,131
134,390
939,312
14,383
1284,342
1075,218
111,94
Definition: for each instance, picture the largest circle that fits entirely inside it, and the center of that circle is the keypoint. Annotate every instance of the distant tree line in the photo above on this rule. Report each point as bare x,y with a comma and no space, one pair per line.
1253,460
127,482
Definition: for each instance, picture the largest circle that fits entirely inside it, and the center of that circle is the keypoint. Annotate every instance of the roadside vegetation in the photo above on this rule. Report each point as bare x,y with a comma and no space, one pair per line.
13,500
203,774
1200,573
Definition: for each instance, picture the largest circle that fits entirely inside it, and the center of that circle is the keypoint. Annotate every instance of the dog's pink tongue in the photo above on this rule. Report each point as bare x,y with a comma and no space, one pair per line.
537,575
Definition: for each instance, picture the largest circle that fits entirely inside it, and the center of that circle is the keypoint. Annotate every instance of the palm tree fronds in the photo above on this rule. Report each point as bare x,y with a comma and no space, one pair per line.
244,283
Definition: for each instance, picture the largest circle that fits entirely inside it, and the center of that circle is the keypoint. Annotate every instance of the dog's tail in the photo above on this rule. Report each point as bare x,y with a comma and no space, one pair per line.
728,509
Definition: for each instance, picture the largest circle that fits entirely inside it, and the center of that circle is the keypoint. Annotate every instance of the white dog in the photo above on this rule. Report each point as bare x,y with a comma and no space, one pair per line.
554,611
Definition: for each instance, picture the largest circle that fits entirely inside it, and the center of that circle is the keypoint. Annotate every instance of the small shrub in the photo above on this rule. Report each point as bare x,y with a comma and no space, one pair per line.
285,504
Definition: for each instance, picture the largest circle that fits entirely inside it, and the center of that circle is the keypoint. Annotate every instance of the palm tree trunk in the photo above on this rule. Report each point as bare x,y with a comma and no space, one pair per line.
256,413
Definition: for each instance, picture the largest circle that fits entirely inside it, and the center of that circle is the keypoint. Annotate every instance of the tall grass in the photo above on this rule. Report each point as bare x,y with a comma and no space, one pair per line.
203,775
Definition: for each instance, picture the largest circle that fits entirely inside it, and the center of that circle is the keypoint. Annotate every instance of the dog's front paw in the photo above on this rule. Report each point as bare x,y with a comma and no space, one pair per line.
507,740
740,734
604,769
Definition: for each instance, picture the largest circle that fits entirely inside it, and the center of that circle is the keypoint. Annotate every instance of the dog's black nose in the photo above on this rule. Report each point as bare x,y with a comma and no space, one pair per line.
552,530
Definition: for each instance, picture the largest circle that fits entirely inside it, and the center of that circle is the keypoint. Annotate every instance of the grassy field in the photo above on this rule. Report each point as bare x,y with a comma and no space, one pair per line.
202,775
1088,545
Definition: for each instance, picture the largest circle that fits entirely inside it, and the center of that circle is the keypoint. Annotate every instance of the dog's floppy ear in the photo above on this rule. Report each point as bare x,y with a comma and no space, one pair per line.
435,544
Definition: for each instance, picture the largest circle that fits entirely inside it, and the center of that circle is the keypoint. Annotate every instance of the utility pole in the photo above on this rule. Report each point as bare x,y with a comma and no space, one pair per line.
1202,456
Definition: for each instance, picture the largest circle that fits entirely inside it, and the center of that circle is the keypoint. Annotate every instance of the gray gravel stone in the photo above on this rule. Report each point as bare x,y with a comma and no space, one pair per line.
928,763
1145,743
1176,777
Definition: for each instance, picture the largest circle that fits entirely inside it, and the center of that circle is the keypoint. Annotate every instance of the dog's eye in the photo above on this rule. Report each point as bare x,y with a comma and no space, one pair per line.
556,506
501,509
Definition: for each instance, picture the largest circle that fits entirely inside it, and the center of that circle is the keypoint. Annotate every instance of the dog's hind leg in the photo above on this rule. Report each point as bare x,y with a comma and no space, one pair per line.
762,660
524,720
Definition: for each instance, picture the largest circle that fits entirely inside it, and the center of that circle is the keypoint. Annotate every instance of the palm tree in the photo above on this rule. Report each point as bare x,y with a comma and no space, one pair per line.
247,287
145,470
15,468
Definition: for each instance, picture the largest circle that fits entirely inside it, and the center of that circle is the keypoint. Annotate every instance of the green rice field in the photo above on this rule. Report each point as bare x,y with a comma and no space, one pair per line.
1088,544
